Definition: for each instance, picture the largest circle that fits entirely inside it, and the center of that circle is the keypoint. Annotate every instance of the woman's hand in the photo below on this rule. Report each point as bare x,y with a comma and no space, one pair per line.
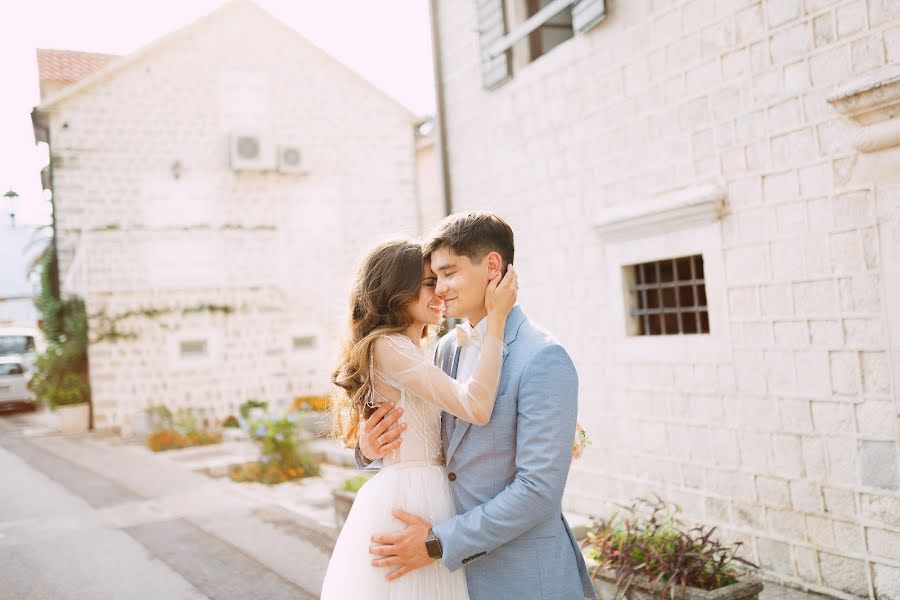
501,294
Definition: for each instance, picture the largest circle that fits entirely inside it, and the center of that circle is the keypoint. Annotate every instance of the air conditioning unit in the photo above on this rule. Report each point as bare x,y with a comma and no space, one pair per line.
251,152
290,159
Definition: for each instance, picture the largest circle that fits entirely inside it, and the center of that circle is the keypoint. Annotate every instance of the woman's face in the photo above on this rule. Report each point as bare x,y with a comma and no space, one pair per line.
428,309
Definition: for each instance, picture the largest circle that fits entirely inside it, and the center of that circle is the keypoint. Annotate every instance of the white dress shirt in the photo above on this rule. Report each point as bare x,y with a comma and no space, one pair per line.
468,355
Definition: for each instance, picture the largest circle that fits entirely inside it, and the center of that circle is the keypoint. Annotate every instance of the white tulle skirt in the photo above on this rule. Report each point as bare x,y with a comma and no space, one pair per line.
421,490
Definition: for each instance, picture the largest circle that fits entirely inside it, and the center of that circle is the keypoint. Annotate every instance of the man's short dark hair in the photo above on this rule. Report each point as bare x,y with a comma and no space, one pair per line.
474,235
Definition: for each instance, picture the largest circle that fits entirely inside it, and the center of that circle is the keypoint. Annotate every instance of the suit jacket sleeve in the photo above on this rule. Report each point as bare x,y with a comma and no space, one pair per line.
547,408
363,464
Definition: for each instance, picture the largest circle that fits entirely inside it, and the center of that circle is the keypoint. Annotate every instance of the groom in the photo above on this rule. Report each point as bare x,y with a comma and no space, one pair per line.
507,477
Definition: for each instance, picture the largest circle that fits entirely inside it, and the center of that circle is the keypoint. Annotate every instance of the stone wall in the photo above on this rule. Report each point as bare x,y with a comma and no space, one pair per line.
152,217
781,426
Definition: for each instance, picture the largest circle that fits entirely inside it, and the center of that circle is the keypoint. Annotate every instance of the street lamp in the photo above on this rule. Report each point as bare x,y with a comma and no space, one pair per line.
11,204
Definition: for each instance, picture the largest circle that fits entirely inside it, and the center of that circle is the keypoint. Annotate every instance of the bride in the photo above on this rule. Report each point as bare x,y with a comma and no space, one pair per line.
392,304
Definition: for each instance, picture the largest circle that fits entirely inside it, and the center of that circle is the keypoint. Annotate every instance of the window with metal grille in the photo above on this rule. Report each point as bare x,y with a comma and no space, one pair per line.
667,297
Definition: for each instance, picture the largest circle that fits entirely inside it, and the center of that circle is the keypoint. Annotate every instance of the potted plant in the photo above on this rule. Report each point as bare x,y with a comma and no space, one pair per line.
344,497
71,404
60,378
648,554
65,391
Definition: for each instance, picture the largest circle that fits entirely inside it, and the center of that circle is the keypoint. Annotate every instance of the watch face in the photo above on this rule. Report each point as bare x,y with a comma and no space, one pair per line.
433,546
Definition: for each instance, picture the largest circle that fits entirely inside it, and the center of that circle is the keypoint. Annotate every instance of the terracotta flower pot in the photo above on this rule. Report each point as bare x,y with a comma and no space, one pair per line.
73,418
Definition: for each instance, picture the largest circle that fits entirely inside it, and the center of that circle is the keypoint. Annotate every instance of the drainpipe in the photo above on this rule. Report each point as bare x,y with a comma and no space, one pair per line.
441,123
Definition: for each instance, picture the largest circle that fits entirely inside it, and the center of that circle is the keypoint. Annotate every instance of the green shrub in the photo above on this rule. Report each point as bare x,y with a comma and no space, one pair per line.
61,371
160,417
354,483
283,455
249,405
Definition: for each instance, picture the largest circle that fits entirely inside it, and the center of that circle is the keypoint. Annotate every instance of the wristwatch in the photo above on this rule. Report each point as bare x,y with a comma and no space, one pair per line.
433,545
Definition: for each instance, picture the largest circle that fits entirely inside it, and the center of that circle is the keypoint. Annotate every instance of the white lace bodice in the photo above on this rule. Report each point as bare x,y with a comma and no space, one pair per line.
404,374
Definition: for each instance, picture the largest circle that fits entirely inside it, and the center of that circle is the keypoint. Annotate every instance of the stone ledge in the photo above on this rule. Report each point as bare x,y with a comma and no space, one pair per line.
867,99
874,103
691,206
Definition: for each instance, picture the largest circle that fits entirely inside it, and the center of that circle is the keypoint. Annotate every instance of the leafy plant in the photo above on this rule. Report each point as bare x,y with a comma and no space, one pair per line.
354,483
171,439
249,405
649,541
160,417
231,422
283,455
185,422
61,371
172,432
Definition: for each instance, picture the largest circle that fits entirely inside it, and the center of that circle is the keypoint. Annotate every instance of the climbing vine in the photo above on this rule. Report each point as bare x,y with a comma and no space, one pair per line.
61,371
108,327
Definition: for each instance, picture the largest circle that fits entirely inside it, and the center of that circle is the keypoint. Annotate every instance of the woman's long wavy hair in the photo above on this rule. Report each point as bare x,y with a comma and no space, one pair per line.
388,281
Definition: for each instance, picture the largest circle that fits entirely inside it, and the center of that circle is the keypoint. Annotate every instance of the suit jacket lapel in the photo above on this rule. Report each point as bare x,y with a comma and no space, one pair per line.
513,322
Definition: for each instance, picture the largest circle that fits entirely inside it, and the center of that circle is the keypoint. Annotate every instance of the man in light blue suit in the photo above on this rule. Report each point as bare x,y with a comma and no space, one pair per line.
507,477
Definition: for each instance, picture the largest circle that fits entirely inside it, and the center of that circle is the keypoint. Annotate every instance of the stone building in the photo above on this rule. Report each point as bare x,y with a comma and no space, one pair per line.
213,194
706,195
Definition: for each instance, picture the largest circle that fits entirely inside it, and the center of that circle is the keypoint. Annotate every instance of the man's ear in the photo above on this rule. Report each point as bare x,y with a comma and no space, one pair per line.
495,264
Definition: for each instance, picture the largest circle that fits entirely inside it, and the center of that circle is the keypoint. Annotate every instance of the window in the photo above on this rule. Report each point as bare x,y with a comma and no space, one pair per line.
16,344
537,26
552,33
666,277
667,297
303,342
193,348
11,369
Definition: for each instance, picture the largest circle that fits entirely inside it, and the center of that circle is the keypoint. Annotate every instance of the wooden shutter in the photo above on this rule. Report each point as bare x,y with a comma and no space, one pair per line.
492,27
587,13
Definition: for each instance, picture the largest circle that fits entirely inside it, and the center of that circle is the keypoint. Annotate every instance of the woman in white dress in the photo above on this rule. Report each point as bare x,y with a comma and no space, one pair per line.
392,304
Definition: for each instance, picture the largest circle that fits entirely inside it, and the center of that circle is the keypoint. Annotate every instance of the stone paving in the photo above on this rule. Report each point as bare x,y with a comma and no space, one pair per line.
309,499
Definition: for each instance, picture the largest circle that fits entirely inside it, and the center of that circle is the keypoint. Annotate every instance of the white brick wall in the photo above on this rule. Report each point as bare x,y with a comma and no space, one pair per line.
788,440
281,249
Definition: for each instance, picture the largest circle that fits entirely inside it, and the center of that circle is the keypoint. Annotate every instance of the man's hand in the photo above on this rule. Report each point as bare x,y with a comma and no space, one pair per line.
405,550
379,435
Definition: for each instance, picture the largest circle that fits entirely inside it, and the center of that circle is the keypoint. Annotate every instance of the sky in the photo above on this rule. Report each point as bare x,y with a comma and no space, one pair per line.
386,41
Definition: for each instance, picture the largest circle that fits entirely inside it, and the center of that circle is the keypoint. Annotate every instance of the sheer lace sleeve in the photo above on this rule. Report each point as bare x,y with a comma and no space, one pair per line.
473,400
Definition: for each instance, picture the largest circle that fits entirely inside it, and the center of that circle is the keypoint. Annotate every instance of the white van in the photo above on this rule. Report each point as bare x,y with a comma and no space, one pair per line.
24,343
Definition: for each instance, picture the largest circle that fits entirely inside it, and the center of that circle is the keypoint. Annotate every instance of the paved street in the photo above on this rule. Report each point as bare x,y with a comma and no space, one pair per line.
93,518
84,520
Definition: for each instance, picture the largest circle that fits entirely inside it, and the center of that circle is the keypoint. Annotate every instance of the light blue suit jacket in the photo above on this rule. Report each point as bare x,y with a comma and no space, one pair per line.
507,477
